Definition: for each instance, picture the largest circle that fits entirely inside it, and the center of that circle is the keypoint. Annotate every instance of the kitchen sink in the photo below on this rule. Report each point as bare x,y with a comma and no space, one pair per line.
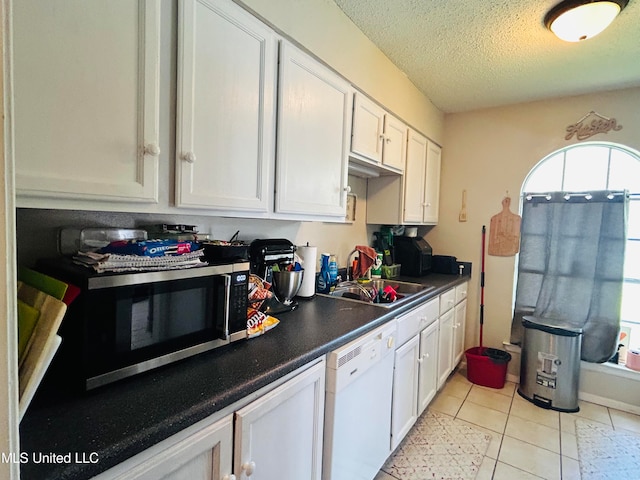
371,292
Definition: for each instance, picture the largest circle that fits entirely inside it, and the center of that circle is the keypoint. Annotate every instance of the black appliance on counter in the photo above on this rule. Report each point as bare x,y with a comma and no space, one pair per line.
414,255
122,324
265,253
446,264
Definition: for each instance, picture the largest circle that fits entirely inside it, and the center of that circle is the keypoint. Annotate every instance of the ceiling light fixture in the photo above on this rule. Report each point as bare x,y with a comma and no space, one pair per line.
576,20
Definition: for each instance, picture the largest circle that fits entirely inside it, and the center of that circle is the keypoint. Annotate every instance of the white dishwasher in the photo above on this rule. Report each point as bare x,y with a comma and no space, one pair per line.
357,434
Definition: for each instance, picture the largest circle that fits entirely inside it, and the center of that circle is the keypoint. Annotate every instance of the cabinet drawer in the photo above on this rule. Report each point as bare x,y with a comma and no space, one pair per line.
447,300
430,313
412,322
461,292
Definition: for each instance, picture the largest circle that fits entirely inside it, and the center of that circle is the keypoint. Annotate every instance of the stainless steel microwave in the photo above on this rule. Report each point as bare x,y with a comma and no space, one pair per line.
128,323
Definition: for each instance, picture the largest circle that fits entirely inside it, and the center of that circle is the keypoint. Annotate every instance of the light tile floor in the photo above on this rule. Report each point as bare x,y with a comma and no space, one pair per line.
528,442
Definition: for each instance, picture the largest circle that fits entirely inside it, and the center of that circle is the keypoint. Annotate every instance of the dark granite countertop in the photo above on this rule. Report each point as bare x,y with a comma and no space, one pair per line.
125,418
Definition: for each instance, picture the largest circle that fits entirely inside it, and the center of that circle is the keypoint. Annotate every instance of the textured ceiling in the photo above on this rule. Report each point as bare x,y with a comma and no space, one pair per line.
470,54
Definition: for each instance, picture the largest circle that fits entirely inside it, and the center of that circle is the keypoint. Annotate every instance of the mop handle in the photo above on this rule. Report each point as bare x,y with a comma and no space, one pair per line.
484,229
484,232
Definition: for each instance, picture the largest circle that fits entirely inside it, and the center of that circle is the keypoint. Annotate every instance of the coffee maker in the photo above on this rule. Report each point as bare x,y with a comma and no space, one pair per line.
263,255
414,254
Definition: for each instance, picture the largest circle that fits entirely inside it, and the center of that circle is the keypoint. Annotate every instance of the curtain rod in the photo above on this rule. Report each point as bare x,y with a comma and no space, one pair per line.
587,196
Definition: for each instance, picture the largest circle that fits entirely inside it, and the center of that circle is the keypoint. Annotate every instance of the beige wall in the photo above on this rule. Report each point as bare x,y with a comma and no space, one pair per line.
321,27
488,153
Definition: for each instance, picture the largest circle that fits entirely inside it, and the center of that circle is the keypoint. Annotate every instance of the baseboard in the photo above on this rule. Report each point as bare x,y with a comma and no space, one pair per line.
608,402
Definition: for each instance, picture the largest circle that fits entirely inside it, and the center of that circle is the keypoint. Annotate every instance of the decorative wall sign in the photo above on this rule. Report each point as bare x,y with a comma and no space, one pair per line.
585,128
351,208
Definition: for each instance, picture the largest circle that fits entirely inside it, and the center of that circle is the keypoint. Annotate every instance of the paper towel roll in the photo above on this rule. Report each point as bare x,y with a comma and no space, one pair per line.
309,257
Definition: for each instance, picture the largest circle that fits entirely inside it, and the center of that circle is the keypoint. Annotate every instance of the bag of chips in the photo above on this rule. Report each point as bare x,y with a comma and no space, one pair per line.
259,322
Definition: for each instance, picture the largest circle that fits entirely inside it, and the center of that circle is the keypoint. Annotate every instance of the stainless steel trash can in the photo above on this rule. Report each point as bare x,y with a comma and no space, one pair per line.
550,363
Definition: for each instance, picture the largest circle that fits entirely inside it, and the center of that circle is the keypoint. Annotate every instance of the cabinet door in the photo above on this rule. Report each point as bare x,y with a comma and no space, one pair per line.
395,143
432,184
204,455
428,366
414,176
280,434
368,126
458,331
445,347
314,119
225,124
404,411
86,99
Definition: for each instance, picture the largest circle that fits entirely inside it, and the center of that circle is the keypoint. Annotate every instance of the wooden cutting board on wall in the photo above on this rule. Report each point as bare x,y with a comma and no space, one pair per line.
504,232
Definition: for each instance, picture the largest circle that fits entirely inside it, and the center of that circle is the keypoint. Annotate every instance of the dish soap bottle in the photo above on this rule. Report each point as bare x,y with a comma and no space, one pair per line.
333,271
324,279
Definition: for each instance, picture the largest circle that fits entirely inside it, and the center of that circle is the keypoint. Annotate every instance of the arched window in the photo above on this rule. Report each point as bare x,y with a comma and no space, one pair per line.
601,166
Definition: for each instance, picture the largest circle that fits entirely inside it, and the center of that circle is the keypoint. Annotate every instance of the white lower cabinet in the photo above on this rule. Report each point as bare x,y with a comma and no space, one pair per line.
428,366
404,410
453,312
278,435
445,347
205,454
414,370
459,321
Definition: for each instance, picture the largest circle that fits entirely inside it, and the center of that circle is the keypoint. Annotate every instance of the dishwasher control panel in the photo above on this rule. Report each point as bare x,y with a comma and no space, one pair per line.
349,362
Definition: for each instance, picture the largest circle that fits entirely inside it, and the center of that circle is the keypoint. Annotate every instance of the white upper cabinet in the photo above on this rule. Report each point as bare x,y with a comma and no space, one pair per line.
368,125
414,178
413,198
395,143
377,137
225,126
314,116
422,181
432,184
86,100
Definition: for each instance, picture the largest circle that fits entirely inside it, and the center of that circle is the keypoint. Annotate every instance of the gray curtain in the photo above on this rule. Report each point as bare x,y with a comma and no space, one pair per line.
571,264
